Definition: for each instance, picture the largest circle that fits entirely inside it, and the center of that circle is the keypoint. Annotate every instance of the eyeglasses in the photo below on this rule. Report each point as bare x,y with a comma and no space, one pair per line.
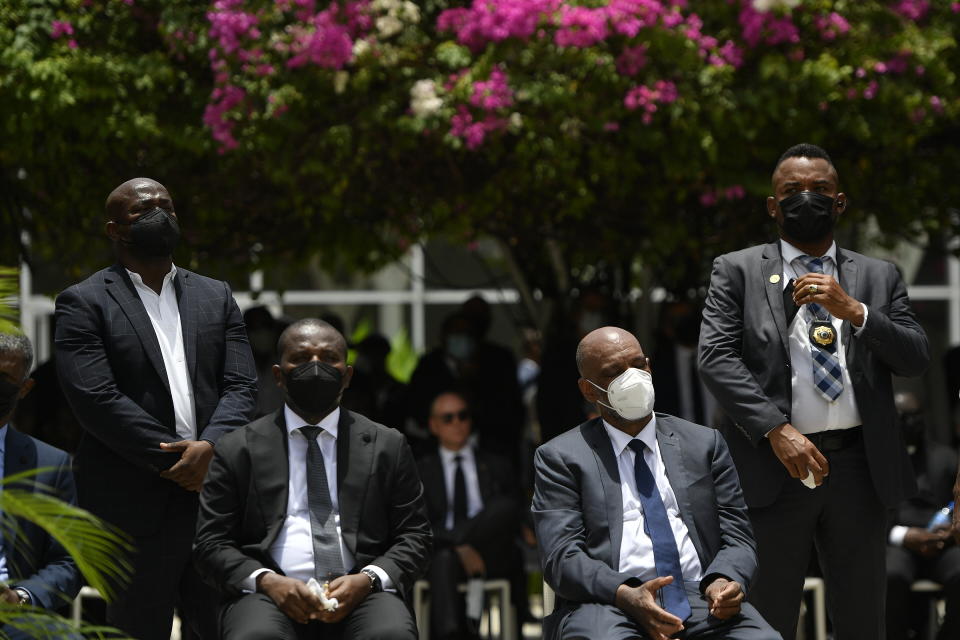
446,418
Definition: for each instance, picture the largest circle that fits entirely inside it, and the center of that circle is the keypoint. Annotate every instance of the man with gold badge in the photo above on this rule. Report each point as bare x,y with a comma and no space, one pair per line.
799,343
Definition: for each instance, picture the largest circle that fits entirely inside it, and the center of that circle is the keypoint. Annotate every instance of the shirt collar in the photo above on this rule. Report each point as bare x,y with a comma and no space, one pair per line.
447,456
167,278
791,253
328,424
620,440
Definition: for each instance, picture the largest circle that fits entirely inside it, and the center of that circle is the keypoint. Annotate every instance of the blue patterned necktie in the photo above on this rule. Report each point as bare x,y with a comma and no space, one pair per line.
666,556
327,561
827,374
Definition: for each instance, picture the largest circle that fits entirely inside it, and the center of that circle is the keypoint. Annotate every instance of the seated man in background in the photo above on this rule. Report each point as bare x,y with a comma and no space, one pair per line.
473,501
34,569
642,526
313,491
915,550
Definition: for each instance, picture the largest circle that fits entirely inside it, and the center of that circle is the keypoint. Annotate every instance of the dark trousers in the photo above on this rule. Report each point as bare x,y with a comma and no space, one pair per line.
491,533
903,568
846,521
591,620
380,616
164,579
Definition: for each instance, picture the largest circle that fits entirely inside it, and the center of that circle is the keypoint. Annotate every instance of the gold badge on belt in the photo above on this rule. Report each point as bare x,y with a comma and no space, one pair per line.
823,334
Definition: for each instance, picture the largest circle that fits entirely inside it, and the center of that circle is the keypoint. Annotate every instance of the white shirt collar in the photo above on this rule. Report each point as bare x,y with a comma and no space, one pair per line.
620,440
135,277
447,455
328,424
791,253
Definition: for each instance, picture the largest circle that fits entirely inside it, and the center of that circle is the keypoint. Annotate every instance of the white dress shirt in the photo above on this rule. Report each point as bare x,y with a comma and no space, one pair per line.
636,547
468,463
810,411
293,548
164,313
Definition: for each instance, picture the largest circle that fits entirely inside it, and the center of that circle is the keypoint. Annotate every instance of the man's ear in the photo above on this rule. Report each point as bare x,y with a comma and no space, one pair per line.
278,375
841,204
772,207
347,377
590,392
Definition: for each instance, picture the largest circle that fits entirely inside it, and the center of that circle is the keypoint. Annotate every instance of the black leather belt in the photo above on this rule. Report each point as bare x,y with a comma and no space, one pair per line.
836,439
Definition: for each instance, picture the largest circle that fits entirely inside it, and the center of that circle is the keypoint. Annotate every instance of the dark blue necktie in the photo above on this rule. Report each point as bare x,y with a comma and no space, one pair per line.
327,561
827,374
666,557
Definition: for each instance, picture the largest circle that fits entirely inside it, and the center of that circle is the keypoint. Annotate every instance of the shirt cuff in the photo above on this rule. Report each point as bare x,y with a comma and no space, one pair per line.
385,582
250,584
32,601
897,534
857,330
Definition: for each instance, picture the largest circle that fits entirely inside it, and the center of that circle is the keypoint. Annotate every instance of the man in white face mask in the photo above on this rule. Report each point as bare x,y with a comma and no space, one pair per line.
642,527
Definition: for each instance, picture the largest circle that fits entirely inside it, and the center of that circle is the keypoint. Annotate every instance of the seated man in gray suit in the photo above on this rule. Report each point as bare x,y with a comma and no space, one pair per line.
642,527
34,569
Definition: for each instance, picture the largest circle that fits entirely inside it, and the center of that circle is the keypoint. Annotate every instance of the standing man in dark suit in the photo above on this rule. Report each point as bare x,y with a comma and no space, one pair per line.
642,528
34,569
799,343
155,363
473,501
313,491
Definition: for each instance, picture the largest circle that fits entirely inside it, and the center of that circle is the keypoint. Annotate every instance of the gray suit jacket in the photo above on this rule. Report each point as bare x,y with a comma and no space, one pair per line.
578,510
745,361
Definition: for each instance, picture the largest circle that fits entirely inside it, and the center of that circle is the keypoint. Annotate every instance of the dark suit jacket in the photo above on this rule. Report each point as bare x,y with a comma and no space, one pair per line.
109,363
936,467
745,361
35,560
244,500
578,509
496,479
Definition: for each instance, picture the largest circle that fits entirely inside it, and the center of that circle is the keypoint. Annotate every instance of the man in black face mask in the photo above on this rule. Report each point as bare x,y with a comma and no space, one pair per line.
799,343
313,491
155,363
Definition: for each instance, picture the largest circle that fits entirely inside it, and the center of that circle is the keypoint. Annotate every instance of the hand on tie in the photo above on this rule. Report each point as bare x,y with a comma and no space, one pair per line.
824,290
349,590
191,468
640,603
724,597
797,453
292,596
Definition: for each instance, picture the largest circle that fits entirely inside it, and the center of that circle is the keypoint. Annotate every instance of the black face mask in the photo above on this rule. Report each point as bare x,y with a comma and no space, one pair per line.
155,233
807,216
9,394
314,387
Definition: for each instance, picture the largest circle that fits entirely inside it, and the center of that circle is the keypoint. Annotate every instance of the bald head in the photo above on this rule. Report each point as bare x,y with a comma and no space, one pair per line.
120,199
602,344
311,330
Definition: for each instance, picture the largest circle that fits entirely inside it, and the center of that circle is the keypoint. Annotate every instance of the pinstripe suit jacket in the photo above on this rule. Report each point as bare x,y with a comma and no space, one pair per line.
112,372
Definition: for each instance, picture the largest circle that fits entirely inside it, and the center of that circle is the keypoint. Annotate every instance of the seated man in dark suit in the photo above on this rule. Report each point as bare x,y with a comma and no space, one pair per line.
473,502
313,491
914,550
34,569
642,527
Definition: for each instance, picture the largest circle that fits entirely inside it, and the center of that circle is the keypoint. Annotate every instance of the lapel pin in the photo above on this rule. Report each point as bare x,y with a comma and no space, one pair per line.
775,278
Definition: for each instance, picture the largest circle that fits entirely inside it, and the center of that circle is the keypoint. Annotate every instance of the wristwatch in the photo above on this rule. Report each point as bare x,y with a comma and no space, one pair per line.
375,585
24,596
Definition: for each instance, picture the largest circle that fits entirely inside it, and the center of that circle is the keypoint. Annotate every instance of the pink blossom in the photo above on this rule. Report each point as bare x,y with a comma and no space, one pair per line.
487,21
936,104
899,63
920,70
462,125
581,27
215,115
860,72
912,9
60,28
731,54
708,199
647,98
766,27
72,43
955,7
493,93
735,192
880,67
632,60
611,126
228,28
871,91
831,26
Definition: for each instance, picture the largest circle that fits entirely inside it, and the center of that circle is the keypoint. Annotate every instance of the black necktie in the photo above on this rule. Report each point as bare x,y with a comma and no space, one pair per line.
459,492
327,561
790,308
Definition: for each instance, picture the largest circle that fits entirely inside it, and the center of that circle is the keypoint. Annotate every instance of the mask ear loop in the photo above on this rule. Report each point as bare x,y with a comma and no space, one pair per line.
604,404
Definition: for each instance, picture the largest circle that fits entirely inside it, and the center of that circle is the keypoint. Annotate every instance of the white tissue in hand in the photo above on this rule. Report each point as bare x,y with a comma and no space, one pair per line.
329,604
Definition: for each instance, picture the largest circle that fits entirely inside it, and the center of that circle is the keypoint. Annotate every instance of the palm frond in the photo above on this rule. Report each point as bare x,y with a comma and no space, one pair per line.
43,624
98,548
9,290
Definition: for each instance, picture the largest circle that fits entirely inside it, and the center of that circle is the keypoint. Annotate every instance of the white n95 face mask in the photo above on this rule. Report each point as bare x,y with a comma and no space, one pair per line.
630,394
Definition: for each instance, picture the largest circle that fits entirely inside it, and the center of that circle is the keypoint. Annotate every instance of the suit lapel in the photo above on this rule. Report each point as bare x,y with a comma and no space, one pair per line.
598,440
355,442
121,289
269,459
771,270
187,303
848,276
680,480
17,454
